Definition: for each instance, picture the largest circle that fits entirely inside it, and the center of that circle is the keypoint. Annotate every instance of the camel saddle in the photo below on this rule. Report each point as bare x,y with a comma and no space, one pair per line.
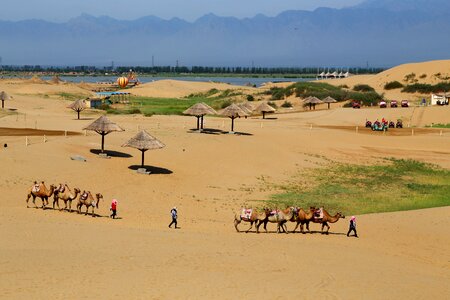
274,212
318,214
61,188
246,214
84,196
35,188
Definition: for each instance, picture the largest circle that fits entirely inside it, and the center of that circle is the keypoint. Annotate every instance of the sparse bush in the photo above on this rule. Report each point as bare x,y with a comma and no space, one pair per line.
273,104
427,88
286,104
363,88
423,76
134,111
343,86
148,114
226,103
393,85
250,98
410,77
277,93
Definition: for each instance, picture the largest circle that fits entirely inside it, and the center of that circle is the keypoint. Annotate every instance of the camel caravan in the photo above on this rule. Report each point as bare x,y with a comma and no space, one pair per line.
281,217
64,193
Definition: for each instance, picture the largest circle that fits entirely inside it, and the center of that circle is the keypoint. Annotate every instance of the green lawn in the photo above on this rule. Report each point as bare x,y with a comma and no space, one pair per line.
353,189
440,125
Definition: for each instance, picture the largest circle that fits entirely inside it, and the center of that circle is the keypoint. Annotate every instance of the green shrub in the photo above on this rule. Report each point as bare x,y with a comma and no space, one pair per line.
273,104
277,93
363,88
410,77
393,85
286,104
226,103
343,86
149,114
427,88
423,76
134,111
250,98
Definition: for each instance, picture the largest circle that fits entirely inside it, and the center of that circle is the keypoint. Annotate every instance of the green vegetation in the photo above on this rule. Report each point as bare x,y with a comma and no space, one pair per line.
395,185
439,125
363,88
410,78
286,104
250,98
70,96
427,88
393,85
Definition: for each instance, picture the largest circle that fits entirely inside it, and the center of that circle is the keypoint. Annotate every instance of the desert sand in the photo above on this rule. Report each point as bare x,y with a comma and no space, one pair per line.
209,177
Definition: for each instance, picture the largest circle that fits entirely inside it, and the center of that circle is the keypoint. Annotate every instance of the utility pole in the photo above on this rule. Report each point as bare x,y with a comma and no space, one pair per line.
153,61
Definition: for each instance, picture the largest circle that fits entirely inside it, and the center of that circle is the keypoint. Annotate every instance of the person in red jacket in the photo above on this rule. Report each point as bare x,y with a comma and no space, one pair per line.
113,208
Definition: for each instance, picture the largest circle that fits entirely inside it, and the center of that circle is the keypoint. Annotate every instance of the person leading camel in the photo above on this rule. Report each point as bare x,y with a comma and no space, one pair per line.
174,214
113,208
352,226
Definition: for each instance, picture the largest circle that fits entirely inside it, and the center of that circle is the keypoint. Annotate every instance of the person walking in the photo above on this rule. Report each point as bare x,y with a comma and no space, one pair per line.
174,214
352,226
113,208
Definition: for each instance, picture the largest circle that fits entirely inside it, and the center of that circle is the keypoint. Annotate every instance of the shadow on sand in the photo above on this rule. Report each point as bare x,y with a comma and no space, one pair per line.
151,169
111,153
206,131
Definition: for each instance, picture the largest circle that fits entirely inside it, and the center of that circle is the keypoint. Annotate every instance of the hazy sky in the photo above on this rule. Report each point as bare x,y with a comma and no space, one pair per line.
62,10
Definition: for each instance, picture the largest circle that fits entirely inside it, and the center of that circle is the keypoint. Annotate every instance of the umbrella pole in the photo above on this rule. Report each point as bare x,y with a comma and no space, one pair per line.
232,124
201,126
142,161
264,114
3,103
328,105
103,141
198,122
78,112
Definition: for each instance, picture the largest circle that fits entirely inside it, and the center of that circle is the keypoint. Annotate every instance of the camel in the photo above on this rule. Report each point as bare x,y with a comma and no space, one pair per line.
255,217
327,218
65,194
280,217
87,199
303,218
42,192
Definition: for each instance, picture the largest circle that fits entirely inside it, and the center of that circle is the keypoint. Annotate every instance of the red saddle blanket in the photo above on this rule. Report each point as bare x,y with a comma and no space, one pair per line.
246,214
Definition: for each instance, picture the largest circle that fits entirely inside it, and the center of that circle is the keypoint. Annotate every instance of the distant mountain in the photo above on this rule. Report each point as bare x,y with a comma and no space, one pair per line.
381,32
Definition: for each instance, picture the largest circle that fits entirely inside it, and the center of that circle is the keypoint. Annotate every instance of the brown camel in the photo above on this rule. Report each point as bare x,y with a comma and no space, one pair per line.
253,217
280,217
327,218
40,191
303,218
64,193
87,199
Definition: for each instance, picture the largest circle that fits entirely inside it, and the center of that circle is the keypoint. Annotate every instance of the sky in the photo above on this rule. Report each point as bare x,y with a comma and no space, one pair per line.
63,10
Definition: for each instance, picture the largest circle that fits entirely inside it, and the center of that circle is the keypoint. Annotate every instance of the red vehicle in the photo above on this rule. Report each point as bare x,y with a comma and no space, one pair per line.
356,104
383,104
405,103
394,103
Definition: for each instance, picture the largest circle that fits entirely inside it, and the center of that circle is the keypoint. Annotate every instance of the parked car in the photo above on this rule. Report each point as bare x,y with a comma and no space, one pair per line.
394,103
405,103
356,104
383,104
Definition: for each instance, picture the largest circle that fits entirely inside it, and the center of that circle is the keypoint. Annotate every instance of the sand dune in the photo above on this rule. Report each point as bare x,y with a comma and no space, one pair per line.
209,177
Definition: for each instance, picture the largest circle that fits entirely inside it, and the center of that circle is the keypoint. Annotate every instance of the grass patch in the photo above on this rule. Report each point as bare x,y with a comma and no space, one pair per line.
69,96
424,88
392,85
363,88
354,189
439,125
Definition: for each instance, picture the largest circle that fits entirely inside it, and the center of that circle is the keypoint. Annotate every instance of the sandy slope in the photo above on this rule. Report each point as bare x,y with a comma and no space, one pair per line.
61,255
176,88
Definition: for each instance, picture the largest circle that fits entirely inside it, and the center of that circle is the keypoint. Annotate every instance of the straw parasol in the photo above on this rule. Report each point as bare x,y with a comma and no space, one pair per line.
144,141
4,96
329,100
199,110
265,108
233,111
312,101
103,126
78,106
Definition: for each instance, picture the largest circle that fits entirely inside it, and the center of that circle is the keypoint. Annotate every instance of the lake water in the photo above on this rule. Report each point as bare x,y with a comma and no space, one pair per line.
231,80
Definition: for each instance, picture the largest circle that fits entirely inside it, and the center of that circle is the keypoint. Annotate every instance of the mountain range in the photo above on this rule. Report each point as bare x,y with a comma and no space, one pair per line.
378,32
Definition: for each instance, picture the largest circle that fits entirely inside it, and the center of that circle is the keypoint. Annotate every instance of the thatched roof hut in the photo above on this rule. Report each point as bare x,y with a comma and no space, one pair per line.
144,141
329,100
233,111
4,97
312,101
199,110
103,126
265,108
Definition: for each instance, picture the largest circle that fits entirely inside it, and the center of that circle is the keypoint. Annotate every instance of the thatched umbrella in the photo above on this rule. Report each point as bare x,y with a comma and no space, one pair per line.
265,108
233,111
4,96
143,141
199,110
103,126
312,101
329,100
78,106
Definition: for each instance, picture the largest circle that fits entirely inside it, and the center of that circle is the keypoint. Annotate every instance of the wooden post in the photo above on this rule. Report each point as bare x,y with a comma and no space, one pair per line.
26,141
35,124
85,132
261,125
356,129
310,127
45,139
65,133
412,132
440,133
